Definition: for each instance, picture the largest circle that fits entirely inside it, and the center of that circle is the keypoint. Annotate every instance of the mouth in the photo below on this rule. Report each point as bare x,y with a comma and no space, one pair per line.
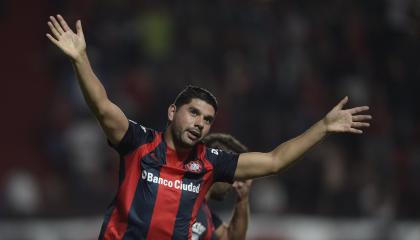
194,134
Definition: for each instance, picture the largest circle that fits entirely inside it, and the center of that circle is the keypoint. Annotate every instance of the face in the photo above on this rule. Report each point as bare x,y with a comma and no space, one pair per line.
219,190
190,122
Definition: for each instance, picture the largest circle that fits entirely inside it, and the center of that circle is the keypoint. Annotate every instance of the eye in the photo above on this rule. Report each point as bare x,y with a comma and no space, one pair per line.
193,112
208,121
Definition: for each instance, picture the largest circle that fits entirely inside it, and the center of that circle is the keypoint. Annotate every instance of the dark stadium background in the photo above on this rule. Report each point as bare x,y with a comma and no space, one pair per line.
276,67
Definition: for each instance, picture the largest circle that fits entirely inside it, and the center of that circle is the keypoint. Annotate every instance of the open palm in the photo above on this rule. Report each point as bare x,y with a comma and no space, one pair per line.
346,120
72,44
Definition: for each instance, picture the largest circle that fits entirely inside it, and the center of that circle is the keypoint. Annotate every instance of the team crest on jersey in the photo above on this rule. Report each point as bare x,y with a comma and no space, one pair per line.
194,166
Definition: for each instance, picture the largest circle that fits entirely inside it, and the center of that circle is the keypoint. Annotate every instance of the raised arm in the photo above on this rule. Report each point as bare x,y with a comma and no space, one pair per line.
253,165
112,119
236,230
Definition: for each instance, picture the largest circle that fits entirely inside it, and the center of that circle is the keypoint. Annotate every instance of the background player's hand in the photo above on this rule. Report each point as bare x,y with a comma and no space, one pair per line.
72,44
242,188
346,120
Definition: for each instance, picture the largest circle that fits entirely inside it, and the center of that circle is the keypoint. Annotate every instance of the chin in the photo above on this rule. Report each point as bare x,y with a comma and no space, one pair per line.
186,141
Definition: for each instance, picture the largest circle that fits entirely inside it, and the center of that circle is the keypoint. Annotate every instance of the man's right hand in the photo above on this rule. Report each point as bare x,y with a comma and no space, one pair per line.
72,44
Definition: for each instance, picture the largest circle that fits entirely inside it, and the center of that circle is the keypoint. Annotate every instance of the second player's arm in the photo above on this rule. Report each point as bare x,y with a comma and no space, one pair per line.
238,225
236,230
254,164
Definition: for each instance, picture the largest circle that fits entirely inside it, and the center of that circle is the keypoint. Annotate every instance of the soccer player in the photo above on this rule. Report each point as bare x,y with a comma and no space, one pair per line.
164,176
208,225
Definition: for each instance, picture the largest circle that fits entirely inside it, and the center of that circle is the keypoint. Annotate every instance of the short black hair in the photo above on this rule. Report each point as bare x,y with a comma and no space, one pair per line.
191,92
224,142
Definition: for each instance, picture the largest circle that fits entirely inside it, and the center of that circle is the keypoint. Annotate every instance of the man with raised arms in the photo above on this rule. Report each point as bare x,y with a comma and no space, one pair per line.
149,210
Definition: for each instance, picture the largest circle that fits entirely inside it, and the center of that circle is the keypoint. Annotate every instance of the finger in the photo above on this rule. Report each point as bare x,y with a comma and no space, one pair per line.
343,102
52,39
356,131
360,124
54,31
79,29
56,25
240,183
63,23
358,118
358,109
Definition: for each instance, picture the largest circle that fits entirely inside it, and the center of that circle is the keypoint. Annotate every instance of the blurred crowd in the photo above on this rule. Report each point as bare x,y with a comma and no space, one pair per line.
276,66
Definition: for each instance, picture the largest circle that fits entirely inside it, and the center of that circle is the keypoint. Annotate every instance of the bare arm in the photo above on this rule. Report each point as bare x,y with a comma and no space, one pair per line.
236,230
112,119
252,165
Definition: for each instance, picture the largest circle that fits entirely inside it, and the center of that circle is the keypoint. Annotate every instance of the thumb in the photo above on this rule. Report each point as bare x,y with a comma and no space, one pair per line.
343,102
79,29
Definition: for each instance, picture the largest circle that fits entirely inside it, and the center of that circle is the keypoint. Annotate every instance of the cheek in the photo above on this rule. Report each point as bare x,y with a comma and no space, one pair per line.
181,123
206,129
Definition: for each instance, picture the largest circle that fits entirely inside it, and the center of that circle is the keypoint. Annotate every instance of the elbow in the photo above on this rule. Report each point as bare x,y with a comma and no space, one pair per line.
276,164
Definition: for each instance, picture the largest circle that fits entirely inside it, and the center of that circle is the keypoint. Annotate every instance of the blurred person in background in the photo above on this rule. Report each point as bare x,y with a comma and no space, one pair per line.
164,176
208,225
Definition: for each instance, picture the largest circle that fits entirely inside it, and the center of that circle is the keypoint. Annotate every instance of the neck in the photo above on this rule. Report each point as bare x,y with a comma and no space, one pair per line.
171,143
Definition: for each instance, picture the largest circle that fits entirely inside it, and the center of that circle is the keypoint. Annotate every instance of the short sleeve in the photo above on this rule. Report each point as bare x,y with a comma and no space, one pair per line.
224,164
217,222
135,136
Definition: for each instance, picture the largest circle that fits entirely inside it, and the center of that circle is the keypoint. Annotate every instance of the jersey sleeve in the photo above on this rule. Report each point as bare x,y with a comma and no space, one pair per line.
135,136
224,164
217,222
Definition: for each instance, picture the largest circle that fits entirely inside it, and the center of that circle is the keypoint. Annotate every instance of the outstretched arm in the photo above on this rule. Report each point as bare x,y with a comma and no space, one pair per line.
236,230
253,165
112,119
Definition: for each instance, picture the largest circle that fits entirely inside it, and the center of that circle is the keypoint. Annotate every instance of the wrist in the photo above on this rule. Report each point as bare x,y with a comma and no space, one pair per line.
80,58
244,199
323,126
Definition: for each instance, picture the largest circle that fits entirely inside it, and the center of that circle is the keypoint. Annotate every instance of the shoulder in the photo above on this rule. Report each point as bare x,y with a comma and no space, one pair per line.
211,153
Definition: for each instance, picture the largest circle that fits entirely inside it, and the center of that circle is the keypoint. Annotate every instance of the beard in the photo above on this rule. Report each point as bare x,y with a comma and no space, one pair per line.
181,138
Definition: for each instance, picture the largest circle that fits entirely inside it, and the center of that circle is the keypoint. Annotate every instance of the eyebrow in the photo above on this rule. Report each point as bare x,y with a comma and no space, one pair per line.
194,109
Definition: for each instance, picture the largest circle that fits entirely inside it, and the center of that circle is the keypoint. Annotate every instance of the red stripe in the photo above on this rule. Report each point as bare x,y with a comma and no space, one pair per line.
166,205
207,181
118,222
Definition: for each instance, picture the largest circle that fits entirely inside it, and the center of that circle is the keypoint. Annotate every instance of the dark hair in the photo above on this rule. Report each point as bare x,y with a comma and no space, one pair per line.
191,92
224,142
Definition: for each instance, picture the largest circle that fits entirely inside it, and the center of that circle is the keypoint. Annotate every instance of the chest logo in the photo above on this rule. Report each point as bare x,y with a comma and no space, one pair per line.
194,166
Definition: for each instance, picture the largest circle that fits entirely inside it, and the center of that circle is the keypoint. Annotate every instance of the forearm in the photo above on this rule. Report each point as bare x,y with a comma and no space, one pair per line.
253,165
92,89
239,223
293,149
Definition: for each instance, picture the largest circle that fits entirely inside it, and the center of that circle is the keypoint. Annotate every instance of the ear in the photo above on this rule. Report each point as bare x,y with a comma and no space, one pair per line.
171,112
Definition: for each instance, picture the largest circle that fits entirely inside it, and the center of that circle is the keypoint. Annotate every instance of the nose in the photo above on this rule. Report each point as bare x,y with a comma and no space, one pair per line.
199,122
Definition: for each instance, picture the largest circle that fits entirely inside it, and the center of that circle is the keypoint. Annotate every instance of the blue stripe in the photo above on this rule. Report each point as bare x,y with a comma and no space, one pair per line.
201,219
186,206
107,217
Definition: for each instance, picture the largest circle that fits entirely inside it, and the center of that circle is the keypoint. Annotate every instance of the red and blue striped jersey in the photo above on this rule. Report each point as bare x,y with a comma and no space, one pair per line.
160,190
206,224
